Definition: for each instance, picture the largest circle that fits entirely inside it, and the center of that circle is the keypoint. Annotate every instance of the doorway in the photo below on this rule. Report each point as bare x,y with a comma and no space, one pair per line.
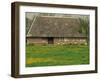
50,40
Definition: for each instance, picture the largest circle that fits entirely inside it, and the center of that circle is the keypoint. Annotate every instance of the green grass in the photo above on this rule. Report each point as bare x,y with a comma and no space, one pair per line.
53,55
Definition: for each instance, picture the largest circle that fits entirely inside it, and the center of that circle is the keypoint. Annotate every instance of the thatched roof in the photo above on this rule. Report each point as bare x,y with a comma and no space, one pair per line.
45,26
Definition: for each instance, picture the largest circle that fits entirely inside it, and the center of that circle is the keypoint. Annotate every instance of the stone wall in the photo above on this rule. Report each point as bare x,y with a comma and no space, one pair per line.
57,41
69,41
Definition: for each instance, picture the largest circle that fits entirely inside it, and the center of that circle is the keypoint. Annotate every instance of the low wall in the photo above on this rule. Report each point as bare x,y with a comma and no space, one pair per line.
36,41
57,41
69,41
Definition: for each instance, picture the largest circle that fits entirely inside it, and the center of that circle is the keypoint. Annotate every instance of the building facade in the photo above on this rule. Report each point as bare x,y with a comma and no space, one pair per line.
55,30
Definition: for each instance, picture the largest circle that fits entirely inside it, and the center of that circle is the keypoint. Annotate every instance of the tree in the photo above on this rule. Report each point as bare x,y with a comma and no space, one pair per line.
28,23
84,27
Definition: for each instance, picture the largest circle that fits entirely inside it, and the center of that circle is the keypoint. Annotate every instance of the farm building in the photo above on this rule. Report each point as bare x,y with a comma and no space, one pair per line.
55,30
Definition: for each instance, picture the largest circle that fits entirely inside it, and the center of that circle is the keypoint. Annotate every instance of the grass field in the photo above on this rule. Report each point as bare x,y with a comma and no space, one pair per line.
52,55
